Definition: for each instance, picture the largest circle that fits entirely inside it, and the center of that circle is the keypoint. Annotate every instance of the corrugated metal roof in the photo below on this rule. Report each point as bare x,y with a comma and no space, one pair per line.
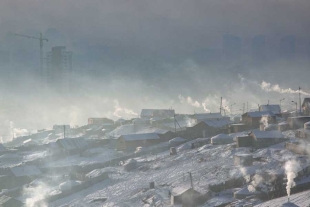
134,137
72,143
267,134
258,114
218,123
26,170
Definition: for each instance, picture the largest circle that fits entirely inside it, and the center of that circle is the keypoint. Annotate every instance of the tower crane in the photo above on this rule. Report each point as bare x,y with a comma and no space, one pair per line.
41,39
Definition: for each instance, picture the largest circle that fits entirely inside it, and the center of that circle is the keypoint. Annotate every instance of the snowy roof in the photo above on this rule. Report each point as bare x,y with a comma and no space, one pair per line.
177,139
72,143
267,134
95,173
257,114
206,116
157,113
135,129
217,123
221,136
29,170
271,108
134,137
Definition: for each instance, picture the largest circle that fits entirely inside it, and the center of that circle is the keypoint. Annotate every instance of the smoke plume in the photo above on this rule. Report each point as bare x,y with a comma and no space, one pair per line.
291,170
36,195
264,121
276,88
119,109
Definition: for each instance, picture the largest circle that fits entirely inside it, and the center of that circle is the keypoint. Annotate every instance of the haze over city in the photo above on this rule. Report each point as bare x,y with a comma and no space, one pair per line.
191,72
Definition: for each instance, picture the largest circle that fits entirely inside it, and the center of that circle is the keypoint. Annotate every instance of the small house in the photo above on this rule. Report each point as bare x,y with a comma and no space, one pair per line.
209,116
207,128
71,145
297,122
187,197
263,139
235,128
306,106
132,141
100,121
253,119
275,109
221,139
283,126
244,141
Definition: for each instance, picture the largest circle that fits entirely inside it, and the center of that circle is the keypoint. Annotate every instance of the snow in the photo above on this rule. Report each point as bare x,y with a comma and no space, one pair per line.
183,147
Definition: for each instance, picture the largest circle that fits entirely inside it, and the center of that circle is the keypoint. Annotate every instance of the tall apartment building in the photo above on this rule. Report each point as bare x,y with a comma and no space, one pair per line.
59,69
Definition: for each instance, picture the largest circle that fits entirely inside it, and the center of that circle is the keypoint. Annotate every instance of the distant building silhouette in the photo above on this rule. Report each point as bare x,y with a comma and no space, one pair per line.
59,68
259,47
232,46
287,46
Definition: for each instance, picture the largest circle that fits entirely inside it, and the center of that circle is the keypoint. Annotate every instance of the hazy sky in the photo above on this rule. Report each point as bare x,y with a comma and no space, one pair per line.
146,54
166,27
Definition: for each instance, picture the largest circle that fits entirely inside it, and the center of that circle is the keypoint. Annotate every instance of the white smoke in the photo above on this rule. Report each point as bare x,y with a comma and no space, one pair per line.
8,132
36,194
119,109
256,181
189,101
276,88
291,170
264,121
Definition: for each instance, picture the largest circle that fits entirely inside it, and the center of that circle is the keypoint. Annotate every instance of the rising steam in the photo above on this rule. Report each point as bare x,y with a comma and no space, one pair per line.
276,88
119,109
291,170
36,195
264,121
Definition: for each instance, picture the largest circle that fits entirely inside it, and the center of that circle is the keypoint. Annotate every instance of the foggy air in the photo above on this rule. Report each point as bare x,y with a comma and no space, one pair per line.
154,103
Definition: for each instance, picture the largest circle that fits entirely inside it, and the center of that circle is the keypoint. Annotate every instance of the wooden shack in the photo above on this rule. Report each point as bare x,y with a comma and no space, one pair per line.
253,119
187,197
132,141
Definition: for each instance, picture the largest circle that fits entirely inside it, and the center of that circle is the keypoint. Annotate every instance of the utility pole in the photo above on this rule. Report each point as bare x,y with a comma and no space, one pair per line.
299,102
64,131
247,106
280,103
243,108
221,106
191,179
175,125
231,109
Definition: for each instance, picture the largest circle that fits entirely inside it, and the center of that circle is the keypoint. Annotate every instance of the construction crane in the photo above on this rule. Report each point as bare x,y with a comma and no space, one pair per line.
41,39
